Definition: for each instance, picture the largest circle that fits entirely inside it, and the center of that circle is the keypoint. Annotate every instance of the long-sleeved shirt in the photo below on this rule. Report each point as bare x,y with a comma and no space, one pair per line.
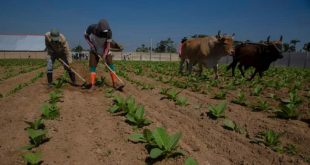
58,49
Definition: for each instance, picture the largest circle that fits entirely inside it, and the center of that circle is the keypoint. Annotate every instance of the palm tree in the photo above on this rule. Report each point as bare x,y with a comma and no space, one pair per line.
286,47
293,46
307,47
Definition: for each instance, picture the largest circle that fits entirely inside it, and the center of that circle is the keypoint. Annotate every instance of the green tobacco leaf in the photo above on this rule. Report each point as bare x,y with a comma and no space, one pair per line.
155,153
229,124
36,133
131,118
140,113
161,137
190,161
27,147
147,134
174,139
32,158
137,138
114,109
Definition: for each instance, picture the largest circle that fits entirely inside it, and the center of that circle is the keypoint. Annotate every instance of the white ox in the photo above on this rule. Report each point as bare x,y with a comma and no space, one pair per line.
206,51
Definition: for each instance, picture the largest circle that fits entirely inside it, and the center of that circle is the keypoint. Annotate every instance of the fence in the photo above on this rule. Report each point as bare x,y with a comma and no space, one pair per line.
296,59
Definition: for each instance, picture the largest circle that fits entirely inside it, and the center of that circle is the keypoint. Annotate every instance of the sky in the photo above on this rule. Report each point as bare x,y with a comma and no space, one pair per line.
137,22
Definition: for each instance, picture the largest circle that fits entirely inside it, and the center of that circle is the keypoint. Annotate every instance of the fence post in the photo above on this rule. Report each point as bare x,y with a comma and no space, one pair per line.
289,59
160,57
170,56
305,61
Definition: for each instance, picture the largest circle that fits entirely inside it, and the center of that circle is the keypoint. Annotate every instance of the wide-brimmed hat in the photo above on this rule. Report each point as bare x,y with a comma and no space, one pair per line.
55,35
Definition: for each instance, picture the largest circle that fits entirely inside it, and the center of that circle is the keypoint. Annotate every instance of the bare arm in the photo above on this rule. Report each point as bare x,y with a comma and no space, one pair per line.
87,38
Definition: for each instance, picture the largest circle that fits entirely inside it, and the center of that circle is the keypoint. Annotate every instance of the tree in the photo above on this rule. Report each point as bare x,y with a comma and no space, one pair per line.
165,46
78,48
143,48
293,45
286,47
306,47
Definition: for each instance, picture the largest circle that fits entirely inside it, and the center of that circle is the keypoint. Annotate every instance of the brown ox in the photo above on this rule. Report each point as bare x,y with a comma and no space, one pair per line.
206,51
257,55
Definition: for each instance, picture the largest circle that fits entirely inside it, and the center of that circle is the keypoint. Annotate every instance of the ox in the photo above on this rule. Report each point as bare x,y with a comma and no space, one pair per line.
206,51
257,55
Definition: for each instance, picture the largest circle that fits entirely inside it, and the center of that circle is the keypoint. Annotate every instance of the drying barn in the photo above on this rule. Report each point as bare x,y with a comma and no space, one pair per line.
22,46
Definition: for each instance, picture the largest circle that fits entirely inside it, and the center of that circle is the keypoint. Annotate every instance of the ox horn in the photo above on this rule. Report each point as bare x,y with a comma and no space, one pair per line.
232,36
219,34
281,37
268,38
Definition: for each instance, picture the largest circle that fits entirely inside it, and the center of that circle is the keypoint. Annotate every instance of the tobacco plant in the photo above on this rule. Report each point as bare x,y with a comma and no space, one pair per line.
160,143
217,111
137,118
32,158
241,99
50,111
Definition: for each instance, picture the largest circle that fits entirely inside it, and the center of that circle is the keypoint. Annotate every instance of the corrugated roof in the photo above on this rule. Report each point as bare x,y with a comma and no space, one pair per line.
22,43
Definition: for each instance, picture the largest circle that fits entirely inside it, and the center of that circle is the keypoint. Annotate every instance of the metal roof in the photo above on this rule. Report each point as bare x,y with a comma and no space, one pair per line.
22,42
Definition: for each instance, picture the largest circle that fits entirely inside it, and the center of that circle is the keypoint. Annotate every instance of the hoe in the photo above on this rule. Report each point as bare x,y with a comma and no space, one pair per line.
84,81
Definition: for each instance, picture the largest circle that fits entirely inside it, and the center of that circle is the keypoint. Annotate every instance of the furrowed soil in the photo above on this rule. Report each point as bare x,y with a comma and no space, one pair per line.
86,133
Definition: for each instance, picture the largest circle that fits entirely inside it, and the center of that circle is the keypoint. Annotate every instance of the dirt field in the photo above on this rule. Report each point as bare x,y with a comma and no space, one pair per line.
86,133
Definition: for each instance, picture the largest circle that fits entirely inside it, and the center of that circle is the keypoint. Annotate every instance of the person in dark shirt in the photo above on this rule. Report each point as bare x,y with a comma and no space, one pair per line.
99,38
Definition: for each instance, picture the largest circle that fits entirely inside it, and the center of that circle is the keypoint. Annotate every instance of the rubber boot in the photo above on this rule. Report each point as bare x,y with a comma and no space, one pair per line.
72,77
50,79
92,79
113,77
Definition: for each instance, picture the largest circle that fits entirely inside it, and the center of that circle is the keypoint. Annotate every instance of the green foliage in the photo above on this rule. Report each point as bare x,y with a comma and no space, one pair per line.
221,95
216,111
233,126
54,97
36,124
99,82
182,101
137,118
271,139
164,91
257,90
196,87
50,111
161,143
190,161
293,98
37,137
32,158
172,94
109,93
119,104
262,106
288,111
241,99
290,149
59,82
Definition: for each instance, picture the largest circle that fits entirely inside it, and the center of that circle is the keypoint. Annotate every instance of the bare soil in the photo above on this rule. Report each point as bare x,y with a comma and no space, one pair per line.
86,133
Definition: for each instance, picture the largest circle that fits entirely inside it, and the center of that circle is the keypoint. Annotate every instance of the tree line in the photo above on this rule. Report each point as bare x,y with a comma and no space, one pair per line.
170,46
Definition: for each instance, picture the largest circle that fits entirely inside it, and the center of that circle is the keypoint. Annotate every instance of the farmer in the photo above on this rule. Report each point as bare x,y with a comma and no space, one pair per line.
99,38
57,48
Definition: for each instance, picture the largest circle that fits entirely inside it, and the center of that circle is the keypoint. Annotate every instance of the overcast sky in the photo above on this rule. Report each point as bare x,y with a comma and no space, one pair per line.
136,22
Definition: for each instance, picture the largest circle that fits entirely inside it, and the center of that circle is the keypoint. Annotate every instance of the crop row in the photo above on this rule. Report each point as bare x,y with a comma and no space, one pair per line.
159,143
22,85
36,130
